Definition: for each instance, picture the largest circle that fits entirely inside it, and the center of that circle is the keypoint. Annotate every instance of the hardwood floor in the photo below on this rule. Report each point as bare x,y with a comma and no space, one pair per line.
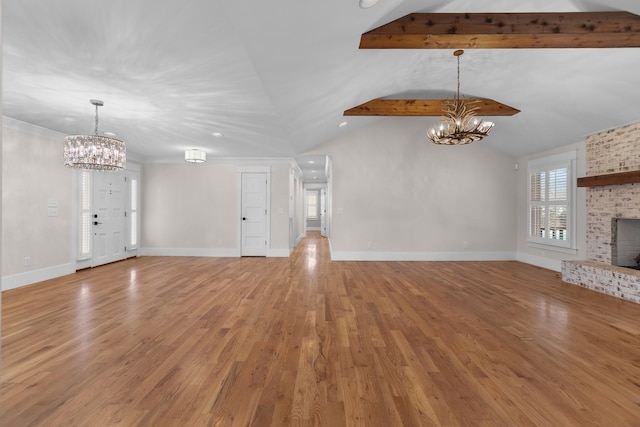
160,341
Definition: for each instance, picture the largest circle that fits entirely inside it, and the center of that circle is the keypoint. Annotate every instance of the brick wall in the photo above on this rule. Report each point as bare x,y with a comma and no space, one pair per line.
616,150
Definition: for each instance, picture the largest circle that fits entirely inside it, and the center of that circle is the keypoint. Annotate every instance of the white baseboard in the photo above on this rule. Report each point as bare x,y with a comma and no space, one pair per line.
422,256
30,277
278,253
313,229
548,263
201,252
207,252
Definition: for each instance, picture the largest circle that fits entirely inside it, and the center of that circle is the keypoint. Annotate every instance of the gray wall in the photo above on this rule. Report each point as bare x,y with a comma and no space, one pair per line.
192,209
395,195
406,197
33,173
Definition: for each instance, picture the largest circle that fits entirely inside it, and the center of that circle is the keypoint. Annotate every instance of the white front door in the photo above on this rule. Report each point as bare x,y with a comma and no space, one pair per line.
108,221
254,214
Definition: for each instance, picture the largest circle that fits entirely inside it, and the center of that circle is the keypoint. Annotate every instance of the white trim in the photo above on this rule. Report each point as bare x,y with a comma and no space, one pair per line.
548,263
208,252
422,256
23,279
191,252
278,253
570,251
254,169
314,228
21,126
83,263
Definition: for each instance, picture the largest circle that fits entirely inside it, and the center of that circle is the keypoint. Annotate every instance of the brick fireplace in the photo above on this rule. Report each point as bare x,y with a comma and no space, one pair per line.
610,152
625,242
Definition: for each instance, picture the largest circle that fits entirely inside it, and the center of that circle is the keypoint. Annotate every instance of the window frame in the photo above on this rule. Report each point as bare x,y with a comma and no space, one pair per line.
317,204
546,164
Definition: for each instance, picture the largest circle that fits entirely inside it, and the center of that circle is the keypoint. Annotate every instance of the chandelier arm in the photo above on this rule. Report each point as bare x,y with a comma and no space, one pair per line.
460,124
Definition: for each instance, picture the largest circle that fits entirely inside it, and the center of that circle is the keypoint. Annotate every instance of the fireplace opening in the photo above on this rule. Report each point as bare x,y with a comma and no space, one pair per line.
625,242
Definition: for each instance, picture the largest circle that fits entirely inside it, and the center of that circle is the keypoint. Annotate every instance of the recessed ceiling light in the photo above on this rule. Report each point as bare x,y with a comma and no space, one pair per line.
217,134
364,4
311,162
343,124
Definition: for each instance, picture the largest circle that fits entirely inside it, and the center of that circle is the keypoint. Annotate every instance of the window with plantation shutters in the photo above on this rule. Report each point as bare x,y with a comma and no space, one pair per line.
552,202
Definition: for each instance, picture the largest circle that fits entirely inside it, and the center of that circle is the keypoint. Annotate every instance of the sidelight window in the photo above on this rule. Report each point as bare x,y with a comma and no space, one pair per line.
84,250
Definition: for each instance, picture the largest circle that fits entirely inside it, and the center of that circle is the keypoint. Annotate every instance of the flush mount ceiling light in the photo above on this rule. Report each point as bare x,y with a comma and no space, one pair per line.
195,156
365,4
460,125
94,152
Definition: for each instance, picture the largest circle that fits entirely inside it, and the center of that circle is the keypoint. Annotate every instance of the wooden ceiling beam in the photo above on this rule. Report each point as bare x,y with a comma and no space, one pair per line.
506,31
423,107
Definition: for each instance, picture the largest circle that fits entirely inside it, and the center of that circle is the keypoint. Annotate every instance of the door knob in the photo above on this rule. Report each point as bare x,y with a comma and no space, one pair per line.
96,223
244,218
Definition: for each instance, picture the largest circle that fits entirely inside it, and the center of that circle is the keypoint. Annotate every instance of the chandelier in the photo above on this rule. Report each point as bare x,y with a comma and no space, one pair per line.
460,125
94,152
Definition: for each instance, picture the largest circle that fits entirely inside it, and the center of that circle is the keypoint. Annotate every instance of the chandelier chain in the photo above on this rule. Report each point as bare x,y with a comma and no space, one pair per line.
97,118
458,91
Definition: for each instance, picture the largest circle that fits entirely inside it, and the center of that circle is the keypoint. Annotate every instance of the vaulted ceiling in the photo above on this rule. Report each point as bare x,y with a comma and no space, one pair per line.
274,77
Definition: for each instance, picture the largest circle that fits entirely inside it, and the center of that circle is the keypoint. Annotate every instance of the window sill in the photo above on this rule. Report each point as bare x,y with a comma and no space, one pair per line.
570,251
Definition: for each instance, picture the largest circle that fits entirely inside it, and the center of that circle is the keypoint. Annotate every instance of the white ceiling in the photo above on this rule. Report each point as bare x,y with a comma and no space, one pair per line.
275,76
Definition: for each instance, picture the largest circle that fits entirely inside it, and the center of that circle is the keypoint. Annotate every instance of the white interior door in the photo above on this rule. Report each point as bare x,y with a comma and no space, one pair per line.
254,214
108,221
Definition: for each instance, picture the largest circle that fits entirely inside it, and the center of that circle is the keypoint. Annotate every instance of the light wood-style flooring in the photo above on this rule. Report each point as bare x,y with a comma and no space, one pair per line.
301,341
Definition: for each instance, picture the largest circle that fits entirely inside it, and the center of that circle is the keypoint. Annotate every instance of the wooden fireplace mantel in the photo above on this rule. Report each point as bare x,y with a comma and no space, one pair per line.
610,179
